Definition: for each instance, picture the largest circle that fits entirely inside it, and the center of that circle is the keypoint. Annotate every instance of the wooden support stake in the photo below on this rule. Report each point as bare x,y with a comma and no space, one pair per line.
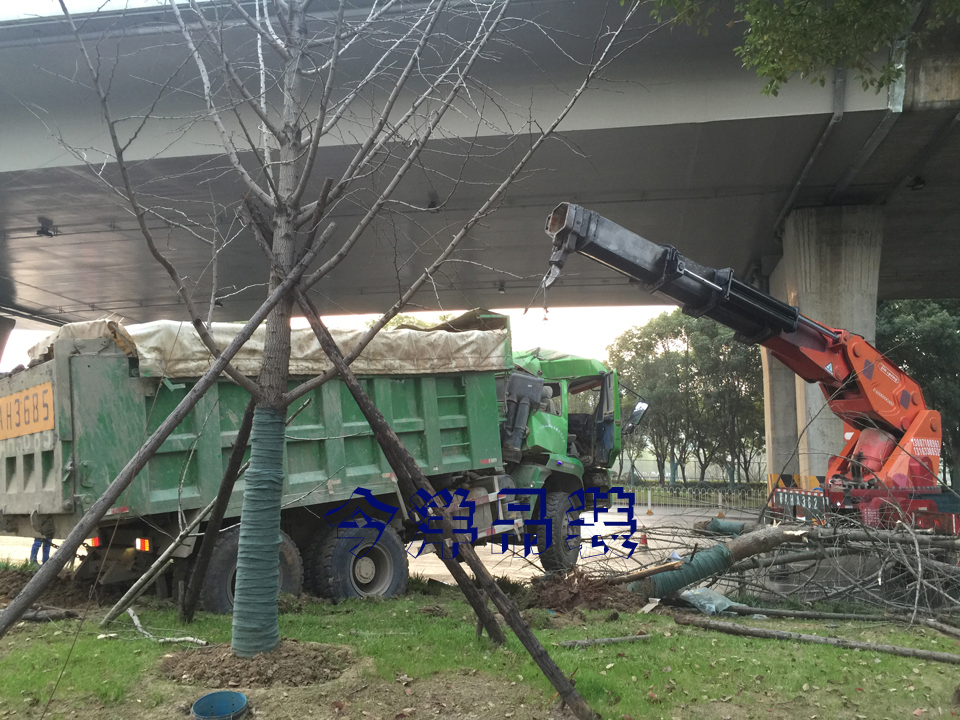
189,599
411,478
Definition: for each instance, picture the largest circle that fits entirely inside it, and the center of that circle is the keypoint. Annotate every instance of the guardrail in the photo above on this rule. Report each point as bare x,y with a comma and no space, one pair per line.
752,498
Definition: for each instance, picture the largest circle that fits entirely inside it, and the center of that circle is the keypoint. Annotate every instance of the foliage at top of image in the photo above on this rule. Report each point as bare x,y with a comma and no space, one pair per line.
809,37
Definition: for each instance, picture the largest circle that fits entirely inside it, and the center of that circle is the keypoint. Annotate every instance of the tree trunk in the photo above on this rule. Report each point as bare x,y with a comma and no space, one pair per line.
255,611
255,615
714,560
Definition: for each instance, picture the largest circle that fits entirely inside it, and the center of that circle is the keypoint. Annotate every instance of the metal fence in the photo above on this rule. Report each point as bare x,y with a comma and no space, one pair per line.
679,496
645,471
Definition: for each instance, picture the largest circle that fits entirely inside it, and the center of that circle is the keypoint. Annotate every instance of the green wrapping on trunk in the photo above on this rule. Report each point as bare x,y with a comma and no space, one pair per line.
704,564
255,623
725,527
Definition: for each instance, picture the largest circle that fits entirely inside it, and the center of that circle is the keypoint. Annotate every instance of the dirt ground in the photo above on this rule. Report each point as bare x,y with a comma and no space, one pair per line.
62,593
293,664
577,590
357,693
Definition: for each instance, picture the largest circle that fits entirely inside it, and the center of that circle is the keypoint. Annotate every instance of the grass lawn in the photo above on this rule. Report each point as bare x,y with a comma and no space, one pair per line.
679,673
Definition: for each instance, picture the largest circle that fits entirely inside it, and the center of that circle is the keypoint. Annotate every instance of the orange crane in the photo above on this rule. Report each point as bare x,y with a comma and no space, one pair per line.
888,468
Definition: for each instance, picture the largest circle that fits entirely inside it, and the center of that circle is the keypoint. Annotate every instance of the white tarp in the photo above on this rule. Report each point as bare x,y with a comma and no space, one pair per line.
173,349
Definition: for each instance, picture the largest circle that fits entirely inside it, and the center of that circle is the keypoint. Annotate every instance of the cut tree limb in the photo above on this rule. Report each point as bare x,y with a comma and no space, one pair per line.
882,536
755,563
716,560
603,641
945,629
747,631
809,614
638,574
49,614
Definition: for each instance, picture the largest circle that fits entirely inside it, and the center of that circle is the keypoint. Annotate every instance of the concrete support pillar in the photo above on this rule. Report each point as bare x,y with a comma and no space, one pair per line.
830,270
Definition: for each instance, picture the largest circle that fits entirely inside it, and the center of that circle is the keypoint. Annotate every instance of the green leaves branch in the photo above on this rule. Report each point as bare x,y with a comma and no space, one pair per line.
808,38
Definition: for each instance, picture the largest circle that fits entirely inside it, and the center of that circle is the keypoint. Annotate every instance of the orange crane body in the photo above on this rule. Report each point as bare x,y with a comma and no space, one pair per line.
887,470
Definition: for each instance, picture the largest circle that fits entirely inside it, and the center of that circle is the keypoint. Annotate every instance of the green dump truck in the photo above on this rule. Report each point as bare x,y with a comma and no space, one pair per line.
475,415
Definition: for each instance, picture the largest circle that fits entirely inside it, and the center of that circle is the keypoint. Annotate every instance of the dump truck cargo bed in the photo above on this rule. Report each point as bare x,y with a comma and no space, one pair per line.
70,424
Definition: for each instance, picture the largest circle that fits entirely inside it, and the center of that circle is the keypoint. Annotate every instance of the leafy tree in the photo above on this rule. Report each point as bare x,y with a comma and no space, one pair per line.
809,37
403,319
703,389
923,338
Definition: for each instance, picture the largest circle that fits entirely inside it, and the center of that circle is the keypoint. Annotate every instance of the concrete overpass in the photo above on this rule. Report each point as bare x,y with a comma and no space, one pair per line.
676,143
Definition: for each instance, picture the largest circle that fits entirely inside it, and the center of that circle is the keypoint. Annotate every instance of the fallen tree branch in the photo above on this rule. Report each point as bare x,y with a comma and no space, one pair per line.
49,614
810,614
716,560
881,536
638,575
603,641
755,563
747,631
162,641
942,627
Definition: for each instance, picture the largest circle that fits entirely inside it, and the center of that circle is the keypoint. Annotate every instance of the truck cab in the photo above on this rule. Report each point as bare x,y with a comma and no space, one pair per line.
579,416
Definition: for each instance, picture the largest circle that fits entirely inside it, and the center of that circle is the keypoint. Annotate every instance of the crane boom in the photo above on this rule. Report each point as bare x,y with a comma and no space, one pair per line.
892,437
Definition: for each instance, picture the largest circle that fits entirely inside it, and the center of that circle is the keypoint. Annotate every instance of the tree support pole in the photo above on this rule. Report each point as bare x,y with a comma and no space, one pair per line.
192,596
158,565
411,478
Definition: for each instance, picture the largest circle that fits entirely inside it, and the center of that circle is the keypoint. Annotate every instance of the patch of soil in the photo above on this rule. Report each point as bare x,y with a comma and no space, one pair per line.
292,664
433,610
358,694
62,592
580,590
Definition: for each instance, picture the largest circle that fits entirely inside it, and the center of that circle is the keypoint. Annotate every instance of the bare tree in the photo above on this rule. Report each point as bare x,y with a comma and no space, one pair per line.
391,87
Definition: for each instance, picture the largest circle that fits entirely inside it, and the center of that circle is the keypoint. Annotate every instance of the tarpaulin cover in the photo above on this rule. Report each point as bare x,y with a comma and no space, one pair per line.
167,348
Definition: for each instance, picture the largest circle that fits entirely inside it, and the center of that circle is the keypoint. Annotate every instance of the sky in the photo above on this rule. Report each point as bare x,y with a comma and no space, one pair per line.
579,331
25,9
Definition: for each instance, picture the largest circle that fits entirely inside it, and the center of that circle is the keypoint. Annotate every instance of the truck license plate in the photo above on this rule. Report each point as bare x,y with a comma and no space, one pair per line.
26,412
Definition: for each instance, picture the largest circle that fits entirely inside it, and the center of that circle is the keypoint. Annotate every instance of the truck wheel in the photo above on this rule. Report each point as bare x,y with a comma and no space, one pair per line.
563,551
216,593
376,568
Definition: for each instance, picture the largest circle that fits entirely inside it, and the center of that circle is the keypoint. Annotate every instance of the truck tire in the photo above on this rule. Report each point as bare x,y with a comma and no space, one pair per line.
376,568
216,593
563,552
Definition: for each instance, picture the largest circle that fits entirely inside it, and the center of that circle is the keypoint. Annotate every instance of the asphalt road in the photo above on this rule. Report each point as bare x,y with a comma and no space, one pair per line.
662,539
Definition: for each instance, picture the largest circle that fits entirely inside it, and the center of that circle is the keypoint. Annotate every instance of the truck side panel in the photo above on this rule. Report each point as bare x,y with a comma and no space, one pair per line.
449,422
